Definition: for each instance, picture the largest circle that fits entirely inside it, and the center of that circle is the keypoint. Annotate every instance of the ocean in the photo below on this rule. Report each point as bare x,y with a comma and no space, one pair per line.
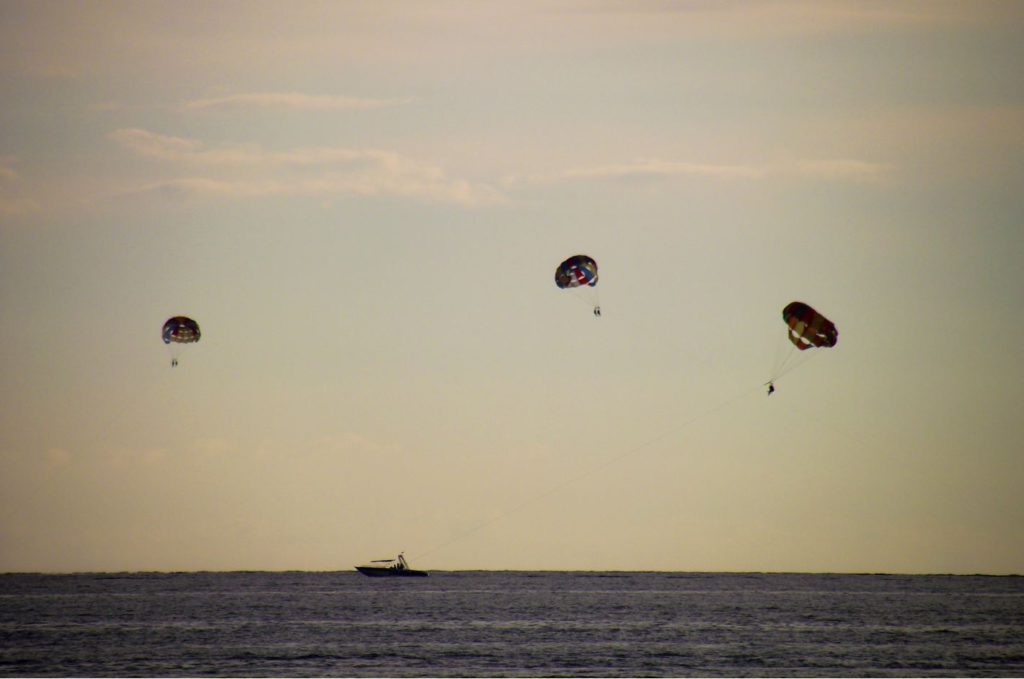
488,624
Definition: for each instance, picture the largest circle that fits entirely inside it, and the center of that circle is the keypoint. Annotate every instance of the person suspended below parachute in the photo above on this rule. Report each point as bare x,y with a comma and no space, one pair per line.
579,274
806,329
179,331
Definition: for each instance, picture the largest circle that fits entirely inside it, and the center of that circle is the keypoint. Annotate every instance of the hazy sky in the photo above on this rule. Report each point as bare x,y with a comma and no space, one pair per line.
363,205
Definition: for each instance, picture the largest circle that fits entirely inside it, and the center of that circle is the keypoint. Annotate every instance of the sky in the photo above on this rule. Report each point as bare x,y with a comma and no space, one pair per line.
363,206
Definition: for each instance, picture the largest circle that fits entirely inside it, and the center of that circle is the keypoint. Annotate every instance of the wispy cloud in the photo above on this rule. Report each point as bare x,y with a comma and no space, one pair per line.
773,17
13,201
7,172
13,206
289,101
250,171
836,169
155,145
662,168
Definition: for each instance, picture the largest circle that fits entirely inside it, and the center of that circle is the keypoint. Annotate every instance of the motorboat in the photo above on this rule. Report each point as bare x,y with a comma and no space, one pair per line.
390,568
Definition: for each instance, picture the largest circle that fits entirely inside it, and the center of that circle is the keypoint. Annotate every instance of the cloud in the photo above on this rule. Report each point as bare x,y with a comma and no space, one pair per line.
661,168
289,101
751,18
13,201
216,446
250,171
155,145
839,169
836,169
7,172
17,207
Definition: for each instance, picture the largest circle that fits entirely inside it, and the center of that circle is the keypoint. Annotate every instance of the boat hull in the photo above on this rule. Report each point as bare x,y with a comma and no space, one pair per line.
376,572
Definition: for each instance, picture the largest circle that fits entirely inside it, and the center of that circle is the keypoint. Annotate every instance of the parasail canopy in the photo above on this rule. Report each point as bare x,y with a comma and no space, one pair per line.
808,328
181,330
577,271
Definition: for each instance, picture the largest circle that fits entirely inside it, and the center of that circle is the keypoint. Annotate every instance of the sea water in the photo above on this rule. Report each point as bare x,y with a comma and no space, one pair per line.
482,624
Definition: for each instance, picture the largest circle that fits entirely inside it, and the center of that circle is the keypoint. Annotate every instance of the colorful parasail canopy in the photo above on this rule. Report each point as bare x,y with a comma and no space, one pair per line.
577,271
181,330
808,328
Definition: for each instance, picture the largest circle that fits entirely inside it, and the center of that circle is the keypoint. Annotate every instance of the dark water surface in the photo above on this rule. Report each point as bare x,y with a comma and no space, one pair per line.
510,624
